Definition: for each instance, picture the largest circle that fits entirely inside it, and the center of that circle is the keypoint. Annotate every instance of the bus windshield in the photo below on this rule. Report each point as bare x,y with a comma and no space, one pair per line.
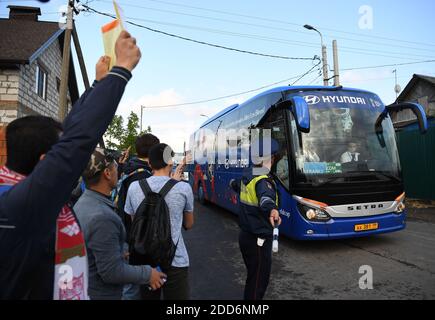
344,144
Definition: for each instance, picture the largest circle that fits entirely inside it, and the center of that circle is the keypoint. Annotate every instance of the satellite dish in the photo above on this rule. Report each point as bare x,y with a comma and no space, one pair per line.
397,88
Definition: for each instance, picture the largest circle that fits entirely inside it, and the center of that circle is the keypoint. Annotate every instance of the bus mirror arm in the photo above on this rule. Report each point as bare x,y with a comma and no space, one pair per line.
378,128
299,107
416,108
379,120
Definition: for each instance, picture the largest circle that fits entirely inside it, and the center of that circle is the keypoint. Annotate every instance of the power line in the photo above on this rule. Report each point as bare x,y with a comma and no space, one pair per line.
203,42
298,78
388,65
315,79
279,40
267,27
288,23
373,79
305,74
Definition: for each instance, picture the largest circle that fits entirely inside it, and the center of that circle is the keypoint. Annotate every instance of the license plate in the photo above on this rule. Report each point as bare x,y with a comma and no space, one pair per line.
365,227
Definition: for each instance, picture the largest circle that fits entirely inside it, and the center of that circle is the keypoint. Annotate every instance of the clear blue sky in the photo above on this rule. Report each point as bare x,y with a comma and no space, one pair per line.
176,71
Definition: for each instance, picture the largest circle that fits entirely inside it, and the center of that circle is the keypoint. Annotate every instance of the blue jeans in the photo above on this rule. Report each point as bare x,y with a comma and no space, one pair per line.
131,292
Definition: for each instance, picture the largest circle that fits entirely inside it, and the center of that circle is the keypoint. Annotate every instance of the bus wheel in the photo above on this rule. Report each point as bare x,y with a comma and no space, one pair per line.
201,196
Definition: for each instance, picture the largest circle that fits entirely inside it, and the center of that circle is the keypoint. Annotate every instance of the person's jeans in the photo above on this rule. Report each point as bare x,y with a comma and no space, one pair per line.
131,292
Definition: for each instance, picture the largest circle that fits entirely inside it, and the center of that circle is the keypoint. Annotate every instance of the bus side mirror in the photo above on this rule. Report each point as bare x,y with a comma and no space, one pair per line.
416,108
301,113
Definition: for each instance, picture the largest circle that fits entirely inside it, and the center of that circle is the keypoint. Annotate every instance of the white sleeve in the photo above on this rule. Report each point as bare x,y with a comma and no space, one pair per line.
188,207
128,207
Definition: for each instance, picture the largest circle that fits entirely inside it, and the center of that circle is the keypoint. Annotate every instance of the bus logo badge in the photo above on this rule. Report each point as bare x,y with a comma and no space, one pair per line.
312,99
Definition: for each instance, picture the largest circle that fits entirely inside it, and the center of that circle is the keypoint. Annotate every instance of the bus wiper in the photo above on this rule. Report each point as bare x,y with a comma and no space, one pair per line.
329,181
374,173
388,175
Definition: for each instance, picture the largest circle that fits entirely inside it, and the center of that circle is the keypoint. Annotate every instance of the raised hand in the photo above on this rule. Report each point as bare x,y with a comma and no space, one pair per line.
102,68
127,52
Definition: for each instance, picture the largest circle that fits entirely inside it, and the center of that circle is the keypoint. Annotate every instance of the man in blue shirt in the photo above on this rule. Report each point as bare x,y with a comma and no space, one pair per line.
105,234
33,208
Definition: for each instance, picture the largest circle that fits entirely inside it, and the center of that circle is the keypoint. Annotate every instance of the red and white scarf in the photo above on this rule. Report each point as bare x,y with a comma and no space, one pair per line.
71,265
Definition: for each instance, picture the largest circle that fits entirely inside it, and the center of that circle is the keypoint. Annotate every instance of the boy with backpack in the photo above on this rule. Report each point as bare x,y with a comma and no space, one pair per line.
134,170
160,207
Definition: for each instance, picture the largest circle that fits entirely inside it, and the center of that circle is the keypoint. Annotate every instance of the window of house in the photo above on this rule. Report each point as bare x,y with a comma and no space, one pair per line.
41,82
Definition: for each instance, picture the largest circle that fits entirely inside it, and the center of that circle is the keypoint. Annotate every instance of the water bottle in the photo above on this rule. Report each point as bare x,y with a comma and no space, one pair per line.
164,279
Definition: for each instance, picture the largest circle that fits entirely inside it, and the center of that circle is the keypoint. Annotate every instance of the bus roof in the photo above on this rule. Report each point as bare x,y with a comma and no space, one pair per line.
275,90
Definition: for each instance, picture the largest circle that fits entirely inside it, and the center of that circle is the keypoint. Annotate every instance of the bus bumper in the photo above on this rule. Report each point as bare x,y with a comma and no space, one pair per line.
340,228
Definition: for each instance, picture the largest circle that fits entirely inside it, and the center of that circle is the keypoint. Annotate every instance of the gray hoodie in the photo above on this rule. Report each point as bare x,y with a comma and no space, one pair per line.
105,238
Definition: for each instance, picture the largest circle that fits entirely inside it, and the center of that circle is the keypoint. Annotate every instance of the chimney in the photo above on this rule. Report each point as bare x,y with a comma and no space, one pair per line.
24,13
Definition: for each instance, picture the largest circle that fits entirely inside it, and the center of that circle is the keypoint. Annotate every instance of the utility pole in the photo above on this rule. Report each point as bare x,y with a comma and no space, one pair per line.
141,115
325,65
80,57
71,31
397,87
324,54
83,71
63,91
336,67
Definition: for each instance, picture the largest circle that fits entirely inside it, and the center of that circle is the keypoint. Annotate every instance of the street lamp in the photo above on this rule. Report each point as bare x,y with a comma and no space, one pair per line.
324,57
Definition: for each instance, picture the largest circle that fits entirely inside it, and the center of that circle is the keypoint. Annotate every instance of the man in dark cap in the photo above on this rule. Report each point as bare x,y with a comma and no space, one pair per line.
257,217
105,234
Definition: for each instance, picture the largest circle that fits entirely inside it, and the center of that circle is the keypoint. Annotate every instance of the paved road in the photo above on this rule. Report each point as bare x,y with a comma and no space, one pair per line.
403,263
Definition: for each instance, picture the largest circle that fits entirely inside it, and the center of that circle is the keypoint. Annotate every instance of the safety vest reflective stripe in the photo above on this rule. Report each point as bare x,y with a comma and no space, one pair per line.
248,194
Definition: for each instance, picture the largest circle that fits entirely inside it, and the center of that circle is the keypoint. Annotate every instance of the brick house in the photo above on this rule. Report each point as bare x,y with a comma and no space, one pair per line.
30,68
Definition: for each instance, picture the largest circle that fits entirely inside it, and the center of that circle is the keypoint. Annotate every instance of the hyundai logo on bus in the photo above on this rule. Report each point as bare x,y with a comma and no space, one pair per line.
312,99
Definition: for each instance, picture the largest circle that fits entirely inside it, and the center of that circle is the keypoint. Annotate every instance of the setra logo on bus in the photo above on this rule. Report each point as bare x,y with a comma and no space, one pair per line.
365,207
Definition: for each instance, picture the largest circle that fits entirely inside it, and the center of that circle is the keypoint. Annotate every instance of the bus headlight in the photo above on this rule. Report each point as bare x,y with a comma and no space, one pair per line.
313,214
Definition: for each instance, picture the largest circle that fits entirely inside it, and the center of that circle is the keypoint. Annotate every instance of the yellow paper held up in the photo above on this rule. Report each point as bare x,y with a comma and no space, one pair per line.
119,14
111,32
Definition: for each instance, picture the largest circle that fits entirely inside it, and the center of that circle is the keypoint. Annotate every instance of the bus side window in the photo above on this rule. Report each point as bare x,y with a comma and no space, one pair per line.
275,122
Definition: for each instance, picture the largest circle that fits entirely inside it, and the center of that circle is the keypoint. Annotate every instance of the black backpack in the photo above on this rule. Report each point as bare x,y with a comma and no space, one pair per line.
121,196
150,235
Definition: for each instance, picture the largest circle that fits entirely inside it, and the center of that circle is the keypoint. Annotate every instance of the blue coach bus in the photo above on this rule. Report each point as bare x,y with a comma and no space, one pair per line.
338,173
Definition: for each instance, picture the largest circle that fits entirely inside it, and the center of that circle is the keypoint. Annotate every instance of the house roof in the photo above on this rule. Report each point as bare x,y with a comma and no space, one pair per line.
412,83
21,39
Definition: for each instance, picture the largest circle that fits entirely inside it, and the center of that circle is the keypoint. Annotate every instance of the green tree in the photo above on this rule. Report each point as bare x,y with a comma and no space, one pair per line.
130,133
118,137
114,134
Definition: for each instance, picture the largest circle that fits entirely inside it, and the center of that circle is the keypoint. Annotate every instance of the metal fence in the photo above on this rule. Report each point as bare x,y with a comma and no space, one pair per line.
417,156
